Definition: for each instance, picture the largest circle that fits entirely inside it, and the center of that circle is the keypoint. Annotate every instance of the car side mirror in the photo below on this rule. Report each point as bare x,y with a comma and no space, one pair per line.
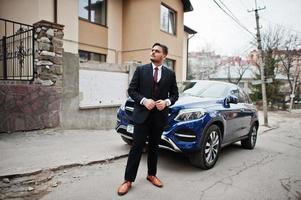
230,99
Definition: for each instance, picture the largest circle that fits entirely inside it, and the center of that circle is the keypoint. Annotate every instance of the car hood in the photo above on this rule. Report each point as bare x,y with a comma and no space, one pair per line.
192,102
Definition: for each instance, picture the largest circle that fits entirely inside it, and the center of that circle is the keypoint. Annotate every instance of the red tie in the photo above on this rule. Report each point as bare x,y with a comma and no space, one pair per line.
156,75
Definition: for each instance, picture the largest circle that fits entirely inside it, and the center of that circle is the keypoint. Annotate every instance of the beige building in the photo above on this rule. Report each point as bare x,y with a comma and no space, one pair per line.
112,31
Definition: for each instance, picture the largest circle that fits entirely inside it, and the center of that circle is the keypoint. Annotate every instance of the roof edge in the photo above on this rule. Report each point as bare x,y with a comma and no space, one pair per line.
189,30
187,5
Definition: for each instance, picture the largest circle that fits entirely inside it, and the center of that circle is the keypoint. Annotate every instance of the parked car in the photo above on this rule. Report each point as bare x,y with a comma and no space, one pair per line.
208,116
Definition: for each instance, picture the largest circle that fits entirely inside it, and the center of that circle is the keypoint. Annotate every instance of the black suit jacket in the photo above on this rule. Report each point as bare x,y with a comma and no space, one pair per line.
142,86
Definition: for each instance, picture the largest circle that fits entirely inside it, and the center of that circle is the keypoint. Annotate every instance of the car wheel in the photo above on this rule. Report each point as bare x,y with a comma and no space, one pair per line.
126,140
250,142
207,156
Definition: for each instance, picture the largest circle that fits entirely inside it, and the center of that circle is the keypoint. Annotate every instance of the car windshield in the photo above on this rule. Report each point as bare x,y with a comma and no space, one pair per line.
182,86
203,89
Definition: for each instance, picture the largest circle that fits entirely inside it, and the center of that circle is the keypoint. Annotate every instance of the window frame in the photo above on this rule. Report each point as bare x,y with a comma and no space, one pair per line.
89,14
173,61
89,56
175,20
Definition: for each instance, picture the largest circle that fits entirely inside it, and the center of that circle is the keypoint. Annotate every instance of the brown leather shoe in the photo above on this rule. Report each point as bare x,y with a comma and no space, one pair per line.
124,188
155,181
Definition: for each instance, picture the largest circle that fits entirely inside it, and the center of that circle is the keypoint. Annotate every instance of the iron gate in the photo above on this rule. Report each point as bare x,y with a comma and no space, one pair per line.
16,51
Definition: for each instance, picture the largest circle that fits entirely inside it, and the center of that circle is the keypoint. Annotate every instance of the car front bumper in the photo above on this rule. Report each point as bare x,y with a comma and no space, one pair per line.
180,137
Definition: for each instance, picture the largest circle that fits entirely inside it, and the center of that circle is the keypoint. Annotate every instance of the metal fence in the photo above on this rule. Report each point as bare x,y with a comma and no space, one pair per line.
16,51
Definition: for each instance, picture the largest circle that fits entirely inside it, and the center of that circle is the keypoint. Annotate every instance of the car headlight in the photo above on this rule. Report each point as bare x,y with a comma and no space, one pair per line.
190,114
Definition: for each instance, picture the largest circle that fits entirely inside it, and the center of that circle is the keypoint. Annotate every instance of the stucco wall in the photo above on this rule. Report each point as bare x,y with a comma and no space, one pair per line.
141,29
28,12
32,11
93,37
115,29
100,88
71,116
68,16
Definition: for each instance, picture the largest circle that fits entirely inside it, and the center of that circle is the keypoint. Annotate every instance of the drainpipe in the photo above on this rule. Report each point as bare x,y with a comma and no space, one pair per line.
55,11
187,55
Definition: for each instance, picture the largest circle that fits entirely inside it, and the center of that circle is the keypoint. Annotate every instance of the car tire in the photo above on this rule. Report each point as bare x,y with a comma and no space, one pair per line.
126,140
250,142
207,156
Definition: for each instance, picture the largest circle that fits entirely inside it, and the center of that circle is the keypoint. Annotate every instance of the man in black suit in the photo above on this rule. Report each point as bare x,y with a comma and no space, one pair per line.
153,88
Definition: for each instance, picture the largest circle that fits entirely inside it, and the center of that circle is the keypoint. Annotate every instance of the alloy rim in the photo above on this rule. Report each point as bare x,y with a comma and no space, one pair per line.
253,136
211,147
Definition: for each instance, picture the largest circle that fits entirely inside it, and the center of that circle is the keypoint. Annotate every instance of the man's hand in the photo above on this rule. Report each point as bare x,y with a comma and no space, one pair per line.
160,104
149,104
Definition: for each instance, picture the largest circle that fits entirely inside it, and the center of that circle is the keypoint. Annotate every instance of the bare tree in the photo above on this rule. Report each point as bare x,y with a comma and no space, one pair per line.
271,41
281,54
239,72
289,58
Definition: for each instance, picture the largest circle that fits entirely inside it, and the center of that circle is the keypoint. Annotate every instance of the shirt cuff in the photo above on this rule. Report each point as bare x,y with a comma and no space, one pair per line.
168,102
142,100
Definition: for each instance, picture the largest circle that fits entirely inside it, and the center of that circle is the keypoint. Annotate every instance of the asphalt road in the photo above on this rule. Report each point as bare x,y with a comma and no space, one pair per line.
270,171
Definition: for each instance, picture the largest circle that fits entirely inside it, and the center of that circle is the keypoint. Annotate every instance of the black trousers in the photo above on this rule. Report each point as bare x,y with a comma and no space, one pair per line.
152,129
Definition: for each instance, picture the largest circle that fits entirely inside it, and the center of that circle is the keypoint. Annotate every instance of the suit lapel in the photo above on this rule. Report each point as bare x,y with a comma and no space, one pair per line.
163,77
149,77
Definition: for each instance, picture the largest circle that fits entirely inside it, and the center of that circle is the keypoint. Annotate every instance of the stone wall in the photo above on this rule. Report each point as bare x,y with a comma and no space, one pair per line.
49,50
53,99
28,106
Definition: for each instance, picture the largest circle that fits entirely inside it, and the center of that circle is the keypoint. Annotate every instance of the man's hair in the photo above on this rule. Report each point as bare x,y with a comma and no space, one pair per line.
164,48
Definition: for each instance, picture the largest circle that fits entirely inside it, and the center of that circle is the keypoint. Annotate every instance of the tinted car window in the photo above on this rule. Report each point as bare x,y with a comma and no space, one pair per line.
235,92
242,97
247,98
207,90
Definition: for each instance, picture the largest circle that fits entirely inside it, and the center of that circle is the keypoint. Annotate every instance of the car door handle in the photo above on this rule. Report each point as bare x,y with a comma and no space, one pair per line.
242,110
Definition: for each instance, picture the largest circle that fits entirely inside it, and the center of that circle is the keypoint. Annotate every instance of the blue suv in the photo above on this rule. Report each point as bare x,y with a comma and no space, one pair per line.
208,116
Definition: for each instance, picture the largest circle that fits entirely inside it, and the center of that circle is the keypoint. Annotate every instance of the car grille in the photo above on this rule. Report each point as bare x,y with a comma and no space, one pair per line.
164,143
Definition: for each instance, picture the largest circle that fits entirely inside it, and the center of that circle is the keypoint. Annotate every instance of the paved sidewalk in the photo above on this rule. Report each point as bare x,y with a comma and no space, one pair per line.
30,152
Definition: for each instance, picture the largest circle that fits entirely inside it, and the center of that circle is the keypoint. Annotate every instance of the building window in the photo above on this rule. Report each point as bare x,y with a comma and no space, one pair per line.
168,20
83,10
93,10
170,63
85,56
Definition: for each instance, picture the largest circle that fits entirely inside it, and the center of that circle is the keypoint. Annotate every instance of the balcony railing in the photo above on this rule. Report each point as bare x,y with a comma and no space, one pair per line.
16,51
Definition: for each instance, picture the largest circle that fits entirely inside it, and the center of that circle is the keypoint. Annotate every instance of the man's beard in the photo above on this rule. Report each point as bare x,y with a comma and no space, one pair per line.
158,62
155,61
